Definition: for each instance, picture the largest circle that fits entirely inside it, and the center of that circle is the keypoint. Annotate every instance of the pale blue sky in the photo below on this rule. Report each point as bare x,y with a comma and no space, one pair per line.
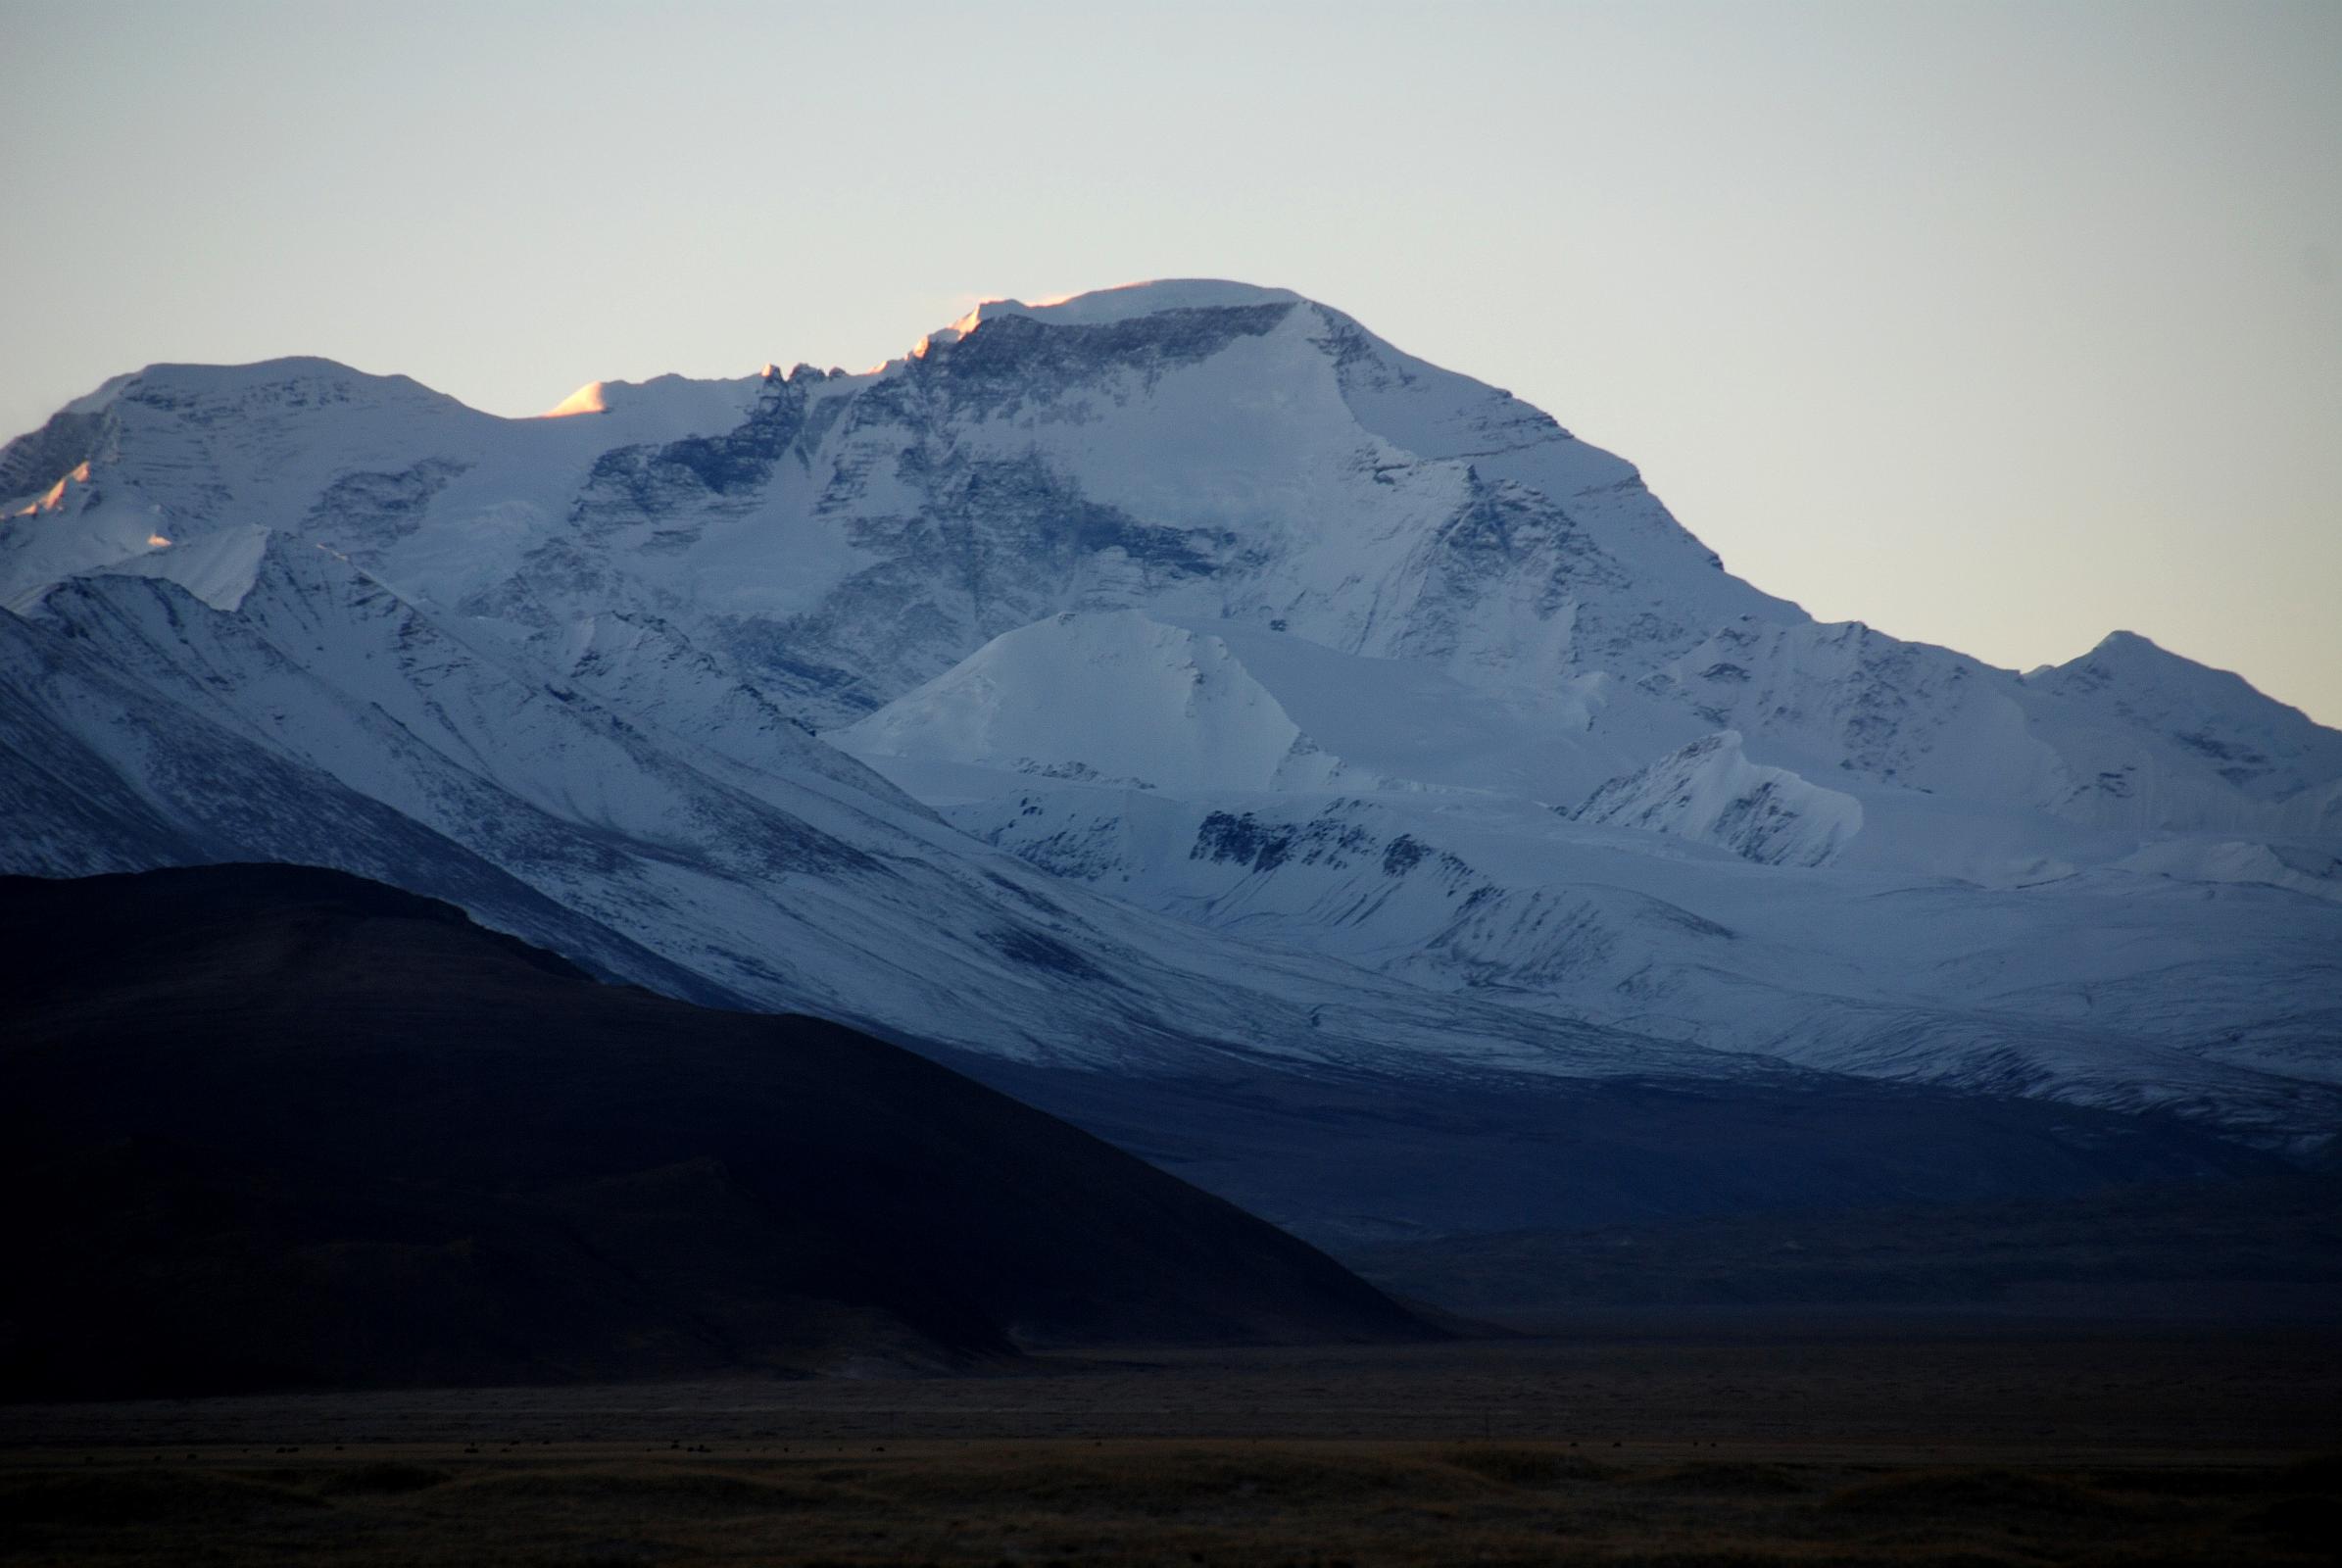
1994,325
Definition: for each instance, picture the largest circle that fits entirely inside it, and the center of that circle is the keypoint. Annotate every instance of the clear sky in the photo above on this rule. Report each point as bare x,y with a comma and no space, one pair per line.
1996,325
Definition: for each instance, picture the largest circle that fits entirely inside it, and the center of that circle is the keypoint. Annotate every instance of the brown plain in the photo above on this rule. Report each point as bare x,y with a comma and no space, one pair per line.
1698,1440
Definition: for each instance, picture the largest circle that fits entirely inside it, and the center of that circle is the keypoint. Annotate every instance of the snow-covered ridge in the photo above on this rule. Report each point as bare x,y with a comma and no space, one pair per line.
1101,307
674,405
1712,792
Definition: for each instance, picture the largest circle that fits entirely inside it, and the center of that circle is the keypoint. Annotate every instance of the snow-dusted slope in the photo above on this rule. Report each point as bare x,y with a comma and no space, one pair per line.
1278,659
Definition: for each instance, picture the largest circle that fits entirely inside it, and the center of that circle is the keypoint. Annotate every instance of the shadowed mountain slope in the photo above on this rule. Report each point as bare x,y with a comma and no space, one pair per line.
2241,1251
278,1126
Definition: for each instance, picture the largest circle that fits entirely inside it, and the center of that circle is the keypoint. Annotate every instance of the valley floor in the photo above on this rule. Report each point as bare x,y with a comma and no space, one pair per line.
1694,1440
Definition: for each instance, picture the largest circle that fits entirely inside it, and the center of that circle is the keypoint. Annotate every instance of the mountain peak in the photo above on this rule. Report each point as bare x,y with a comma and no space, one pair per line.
1107,307
591,398
2217,717
1104,307
1099,307
2122,642
2137,656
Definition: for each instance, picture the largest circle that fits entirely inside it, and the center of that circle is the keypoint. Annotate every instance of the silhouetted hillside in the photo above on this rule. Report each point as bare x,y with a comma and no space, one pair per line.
267,1125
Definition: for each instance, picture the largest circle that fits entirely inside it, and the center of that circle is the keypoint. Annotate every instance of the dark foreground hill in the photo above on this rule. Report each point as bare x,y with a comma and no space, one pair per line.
276,1126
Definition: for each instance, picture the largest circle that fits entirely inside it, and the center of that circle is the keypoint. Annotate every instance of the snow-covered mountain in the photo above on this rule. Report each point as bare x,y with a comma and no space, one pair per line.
1172,677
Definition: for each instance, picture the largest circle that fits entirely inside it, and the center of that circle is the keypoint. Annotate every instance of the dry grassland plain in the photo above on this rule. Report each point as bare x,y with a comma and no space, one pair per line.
1695,1442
